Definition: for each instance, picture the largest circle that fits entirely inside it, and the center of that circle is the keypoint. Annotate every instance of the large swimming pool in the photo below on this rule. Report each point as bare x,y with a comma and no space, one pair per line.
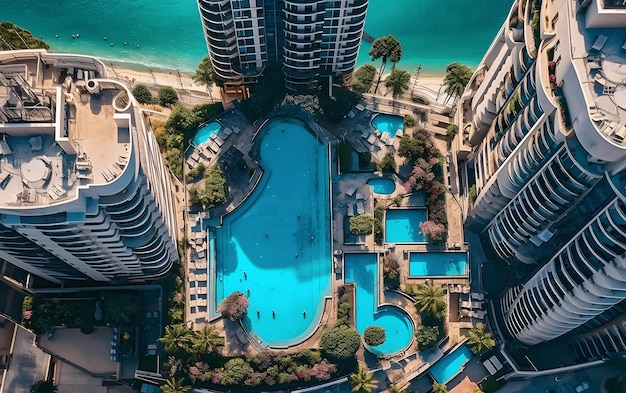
438,264
388,123
362,270
451,364
204,133
276,246
403,225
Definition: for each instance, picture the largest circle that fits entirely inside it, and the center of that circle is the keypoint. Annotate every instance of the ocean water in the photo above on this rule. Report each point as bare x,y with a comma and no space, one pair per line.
169,32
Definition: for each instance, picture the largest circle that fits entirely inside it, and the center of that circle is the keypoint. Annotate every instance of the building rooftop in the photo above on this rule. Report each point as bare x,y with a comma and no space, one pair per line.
63,126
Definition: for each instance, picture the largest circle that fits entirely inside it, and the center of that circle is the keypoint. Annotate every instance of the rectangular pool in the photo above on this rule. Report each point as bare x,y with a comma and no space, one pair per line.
451,364
403,225
438,264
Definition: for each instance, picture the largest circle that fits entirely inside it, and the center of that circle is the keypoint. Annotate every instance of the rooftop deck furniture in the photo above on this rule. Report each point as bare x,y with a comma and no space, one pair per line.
477,296
599,42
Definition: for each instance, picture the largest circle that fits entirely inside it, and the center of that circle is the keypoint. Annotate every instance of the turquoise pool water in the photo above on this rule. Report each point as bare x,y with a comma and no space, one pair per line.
388,123
276,246
382,186
451,364
204,133
403,225
438,264
362,270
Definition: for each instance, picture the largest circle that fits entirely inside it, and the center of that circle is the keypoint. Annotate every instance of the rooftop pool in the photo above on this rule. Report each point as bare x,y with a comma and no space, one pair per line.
275,247
382,185
362,269
438,264
451,364
389,124
204,133
403,225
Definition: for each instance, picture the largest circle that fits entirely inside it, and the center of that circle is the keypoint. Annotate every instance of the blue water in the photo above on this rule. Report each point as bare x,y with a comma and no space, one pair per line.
170,34
205,132
362,270
403,225
450,365
438,264
388,123
277,244
382,186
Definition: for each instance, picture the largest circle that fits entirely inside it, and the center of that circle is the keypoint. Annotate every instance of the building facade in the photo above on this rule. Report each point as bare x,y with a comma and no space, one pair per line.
308,39
543,123
84,193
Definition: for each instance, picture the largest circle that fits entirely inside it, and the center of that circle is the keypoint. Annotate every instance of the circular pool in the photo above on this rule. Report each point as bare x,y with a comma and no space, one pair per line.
382,185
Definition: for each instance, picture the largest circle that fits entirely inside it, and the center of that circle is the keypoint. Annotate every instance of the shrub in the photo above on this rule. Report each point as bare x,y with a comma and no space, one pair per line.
391,271
340,342
199,170
234,306
343,312
14,37
426,337
409,121
452,130
432,230
471,194
379,214
235,371
214,191
410,148
374,335
142,94
387,164
167,96
361,224
363,78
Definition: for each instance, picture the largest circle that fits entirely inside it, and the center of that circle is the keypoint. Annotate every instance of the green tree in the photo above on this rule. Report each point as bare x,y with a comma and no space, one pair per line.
214,187
430,300
410,148
142,94
426,337
204,73
457,77
440,387
391,270
340,342
374,335
175,385
397,389
387,164
234,306
121,310
398,82
178,339
207,340
363,78
362,381
385,48
14,37
479,340
42,386
361,224
409,121
235,371
167,96
451,131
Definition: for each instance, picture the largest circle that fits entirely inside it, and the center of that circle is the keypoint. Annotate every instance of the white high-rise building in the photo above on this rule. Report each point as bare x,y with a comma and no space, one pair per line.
307,38
84,193
543,128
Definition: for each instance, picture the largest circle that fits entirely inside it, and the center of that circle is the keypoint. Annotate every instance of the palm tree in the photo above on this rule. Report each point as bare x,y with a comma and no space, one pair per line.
457,77
362,381
204,74
430,300
207,340
397,389
398,82
177,339
42,386
440,388
479,340
175,385
121,310
386,48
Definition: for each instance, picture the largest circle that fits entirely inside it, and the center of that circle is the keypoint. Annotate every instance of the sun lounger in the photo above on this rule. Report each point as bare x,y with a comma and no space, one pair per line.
360,207
496,362
599,42
479,314
350,209
477,296
471,304
490,368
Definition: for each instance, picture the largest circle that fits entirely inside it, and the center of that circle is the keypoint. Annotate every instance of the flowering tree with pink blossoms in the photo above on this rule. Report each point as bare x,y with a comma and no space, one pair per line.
234,306
432,230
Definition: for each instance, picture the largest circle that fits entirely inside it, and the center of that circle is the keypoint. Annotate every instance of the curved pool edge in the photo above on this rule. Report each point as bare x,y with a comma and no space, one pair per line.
407,346
262,178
